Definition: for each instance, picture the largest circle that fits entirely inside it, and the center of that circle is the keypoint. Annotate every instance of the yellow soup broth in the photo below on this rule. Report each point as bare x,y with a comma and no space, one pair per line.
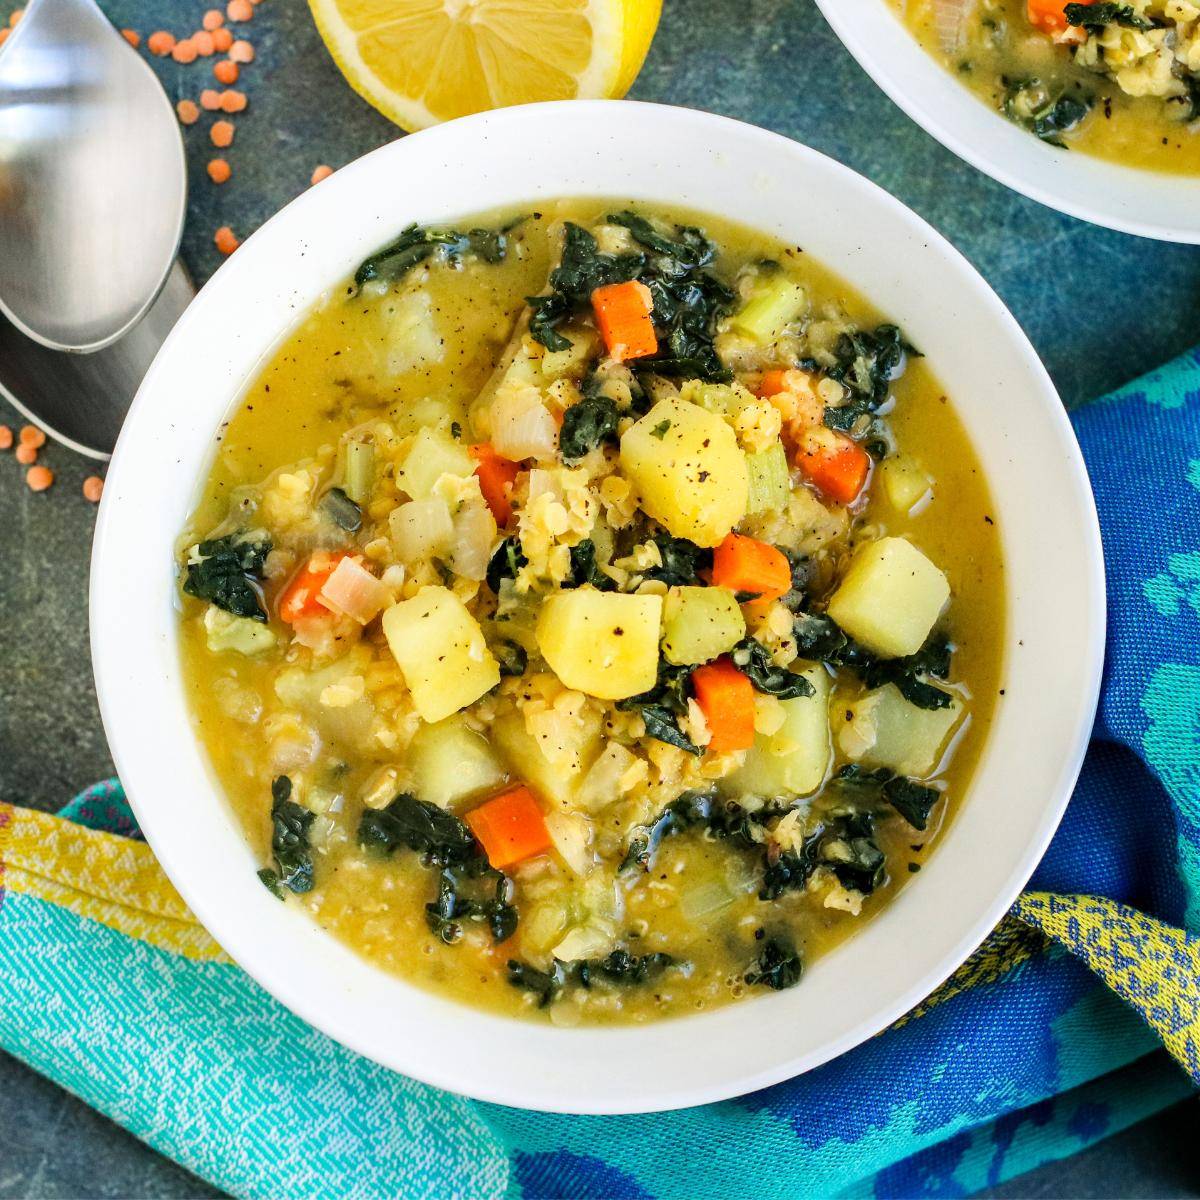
643,895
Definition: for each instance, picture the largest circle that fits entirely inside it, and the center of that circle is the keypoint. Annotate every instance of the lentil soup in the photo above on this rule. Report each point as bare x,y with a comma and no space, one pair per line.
592,614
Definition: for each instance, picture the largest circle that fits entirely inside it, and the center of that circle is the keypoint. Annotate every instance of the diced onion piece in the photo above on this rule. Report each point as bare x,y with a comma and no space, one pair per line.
950,23
474,538
522,426
571,836
421,529
354,591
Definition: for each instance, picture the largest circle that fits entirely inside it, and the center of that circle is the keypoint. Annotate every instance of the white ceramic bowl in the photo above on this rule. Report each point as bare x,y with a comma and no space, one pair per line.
1148,203
1043,505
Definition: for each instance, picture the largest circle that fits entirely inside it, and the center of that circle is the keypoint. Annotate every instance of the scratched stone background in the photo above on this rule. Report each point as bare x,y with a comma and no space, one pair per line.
1100,307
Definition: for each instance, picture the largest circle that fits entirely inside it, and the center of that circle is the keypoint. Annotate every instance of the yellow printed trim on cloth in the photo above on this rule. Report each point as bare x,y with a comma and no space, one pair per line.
111,879
1154,967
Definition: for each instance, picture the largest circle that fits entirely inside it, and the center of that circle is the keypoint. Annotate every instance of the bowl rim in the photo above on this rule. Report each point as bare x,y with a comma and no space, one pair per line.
1103,194
110,598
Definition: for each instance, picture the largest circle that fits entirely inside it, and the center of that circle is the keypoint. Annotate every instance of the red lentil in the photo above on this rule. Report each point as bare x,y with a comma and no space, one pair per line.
39,478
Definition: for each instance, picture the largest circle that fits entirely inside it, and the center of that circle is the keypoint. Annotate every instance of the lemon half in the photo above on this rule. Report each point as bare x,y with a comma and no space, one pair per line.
424,61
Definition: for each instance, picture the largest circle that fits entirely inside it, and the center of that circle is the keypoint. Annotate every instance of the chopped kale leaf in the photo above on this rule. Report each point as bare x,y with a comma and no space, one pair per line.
621,967
508,559
1094,17
226,573
586,424
438,836
585,570
689,247
754,660
663,705
512,657
682,561
819,637
913,801
778,965
454,906
867,364
290,824
1030,105
545,985
416,243
850,852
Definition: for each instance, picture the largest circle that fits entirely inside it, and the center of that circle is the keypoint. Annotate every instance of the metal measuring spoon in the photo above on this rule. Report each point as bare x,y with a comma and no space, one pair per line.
93,191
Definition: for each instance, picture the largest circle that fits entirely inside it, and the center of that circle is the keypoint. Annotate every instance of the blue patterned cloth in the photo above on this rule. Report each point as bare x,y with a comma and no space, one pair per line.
1051,1037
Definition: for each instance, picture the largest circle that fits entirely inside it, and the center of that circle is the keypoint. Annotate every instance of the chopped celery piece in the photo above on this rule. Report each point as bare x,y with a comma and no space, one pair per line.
358,471
441,651
774,304
724,399
700,623
881,729
905,484
770,483
224,631
431,456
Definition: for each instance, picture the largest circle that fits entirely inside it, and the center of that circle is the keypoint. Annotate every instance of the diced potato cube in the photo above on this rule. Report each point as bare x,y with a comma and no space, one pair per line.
905,483
601,643
881,729
700,623
688,470
431,456
554,781
441,651
794,760
890,598
450,761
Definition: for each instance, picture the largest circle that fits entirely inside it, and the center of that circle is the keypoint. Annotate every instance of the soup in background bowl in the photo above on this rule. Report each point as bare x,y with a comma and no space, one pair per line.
1038,654
1046,107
